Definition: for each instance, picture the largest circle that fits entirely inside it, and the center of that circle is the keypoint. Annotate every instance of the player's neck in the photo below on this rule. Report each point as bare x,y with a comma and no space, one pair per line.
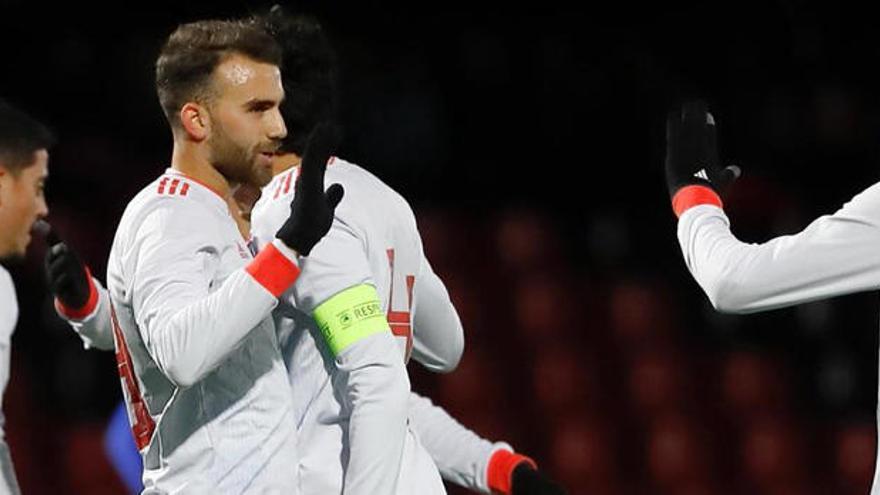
190,161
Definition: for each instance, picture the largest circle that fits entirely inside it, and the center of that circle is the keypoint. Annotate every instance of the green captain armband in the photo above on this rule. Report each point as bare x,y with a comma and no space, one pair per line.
349,316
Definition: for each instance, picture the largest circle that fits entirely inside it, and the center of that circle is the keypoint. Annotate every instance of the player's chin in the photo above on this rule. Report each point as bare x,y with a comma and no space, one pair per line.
16,254
261,175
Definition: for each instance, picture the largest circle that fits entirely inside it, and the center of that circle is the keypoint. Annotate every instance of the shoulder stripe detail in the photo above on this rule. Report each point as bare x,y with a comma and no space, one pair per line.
177,187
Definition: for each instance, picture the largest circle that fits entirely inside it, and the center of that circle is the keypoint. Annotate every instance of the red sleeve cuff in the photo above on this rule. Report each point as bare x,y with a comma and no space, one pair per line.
499,474
690,196
273,270
87,309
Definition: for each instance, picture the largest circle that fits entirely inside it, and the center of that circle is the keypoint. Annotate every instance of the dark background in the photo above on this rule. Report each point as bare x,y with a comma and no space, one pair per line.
529,141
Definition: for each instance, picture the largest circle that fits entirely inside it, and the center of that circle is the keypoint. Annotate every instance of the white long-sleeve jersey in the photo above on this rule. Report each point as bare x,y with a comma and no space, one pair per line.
198,355
836,254
8,319
461,456
348,440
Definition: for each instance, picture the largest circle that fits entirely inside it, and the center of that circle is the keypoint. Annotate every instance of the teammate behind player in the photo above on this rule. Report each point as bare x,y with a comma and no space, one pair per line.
24,161
463,457
198,356
836,254
373,243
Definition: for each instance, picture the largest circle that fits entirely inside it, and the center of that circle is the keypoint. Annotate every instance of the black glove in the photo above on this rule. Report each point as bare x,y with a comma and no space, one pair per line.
66,274
312,208
692,150
528,481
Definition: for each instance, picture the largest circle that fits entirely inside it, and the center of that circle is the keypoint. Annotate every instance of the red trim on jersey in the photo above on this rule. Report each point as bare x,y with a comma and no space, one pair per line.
277,189
87,309
273,270
499,473
690,196
197,181
184,189
399,321
142,424
162,185
173,188
287,182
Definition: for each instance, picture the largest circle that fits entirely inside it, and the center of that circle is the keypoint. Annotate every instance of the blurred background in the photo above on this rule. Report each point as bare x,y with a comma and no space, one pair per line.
529,141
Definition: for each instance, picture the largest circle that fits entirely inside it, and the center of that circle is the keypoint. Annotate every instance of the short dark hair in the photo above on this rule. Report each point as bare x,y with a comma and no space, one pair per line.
20,137
309,74
192,52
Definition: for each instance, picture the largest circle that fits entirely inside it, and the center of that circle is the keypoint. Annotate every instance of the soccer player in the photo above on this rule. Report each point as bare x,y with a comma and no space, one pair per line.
836,254
24,162
373,252
463,457
198,356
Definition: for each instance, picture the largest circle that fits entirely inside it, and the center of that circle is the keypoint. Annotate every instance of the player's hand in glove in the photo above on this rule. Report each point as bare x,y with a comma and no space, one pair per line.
68,278
312,208
692,154
530,481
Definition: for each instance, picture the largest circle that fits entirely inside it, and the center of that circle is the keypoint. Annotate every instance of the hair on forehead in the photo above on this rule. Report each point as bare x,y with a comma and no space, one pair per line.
193,51
21,136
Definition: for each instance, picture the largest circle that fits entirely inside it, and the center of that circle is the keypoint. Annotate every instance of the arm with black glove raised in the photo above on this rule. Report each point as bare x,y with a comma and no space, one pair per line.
834,255
79,298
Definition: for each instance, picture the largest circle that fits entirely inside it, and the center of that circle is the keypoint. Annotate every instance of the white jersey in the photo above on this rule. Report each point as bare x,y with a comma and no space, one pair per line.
835,255
8,319
373,241
461,456
202,374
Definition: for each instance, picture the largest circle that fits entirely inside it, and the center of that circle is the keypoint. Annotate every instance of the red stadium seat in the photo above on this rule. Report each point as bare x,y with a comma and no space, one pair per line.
771,452
656,382
525,241
565,379
855,448
584,454
639,316
676,453
751,385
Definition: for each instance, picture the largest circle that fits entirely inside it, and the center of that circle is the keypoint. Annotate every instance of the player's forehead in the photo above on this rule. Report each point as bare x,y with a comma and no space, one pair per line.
240,78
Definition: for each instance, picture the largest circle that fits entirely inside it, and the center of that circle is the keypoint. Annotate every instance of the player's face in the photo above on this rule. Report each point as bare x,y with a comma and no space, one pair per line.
21,204
246,124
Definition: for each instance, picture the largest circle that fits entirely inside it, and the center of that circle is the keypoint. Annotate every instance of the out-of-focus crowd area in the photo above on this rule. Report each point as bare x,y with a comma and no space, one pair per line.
530,144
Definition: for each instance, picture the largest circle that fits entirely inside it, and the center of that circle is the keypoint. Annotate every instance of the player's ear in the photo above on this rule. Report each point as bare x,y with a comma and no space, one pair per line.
195,120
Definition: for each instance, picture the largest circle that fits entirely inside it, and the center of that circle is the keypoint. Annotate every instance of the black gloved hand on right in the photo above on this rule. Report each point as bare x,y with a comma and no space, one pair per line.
66,274
312,208
529,481
692,150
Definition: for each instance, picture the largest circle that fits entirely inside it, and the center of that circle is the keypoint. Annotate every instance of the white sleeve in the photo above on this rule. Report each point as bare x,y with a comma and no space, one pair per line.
95,329
8,482
836,254
438,338
8,319
377,386
187,325
461,455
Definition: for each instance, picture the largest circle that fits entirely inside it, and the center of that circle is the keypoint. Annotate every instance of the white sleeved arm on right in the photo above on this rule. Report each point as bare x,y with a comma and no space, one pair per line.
188,325
836,254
